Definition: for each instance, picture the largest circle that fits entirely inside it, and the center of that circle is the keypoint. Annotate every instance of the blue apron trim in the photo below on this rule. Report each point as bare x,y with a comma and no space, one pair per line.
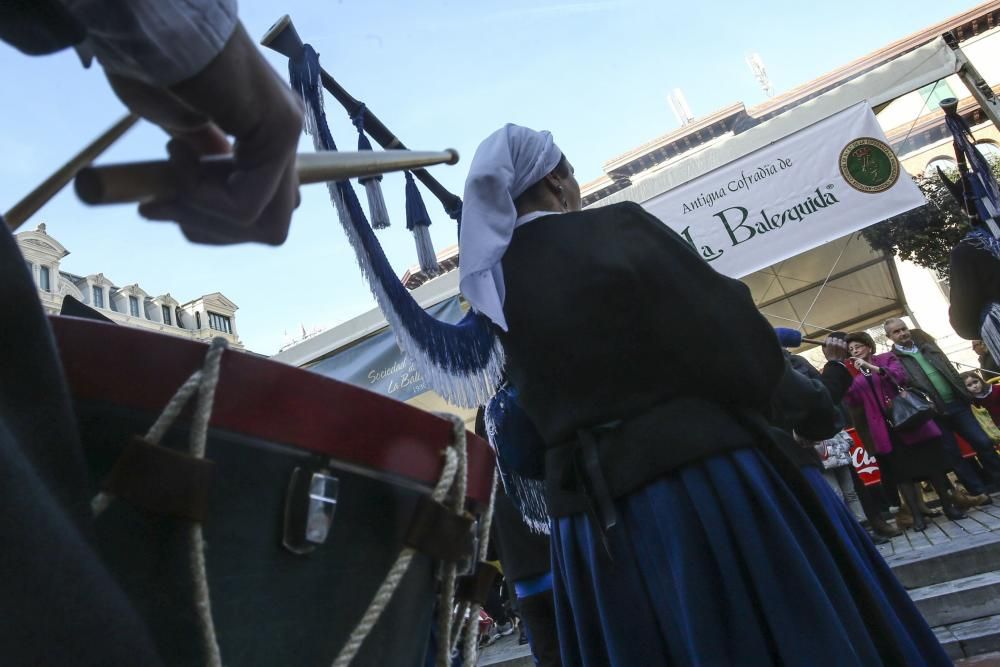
528,587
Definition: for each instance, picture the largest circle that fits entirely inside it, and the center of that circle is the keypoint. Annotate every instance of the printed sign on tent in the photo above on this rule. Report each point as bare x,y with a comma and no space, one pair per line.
376,363
829,179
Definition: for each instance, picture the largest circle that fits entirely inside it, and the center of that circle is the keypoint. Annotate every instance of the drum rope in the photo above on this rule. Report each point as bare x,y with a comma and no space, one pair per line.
470,648
449,572
454,467
204,381
196,546
156,432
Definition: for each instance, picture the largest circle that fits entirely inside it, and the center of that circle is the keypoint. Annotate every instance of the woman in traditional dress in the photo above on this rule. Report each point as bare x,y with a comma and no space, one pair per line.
679,534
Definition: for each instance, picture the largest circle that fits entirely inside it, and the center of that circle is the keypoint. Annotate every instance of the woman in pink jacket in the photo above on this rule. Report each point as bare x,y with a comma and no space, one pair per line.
904,455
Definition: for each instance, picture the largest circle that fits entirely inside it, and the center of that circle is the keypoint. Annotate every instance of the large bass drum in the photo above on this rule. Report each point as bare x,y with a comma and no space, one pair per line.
312,490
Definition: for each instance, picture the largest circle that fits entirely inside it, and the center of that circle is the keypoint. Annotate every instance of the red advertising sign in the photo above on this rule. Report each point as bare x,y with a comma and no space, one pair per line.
964,447
864,463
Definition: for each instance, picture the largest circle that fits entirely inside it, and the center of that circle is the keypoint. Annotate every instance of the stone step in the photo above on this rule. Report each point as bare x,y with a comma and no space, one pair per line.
970,638
506,653
955,559
959,600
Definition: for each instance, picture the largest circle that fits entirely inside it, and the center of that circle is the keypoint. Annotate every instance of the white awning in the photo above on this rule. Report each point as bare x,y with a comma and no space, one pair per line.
861,289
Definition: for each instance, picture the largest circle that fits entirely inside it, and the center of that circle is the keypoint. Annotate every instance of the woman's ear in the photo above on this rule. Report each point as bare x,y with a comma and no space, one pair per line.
555,185
554,182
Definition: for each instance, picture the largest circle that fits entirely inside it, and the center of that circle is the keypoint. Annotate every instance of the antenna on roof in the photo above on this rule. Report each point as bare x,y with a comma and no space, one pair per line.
756,64
678,104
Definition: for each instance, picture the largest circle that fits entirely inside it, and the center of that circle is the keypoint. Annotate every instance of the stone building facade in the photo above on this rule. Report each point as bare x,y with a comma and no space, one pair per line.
203,318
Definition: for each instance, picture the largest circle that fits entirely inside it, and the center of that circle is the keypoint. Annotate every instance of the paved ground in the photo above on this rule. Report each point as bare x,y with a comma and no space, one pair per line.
986,660
507,652
941,530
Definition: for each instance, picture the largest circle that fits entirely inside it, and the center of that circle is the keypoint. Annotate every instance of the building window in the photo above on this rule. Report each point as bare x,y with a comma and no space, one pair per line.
197,320
220,322
933,93
31,270
98,293
133,306
166,314
43,278
989,151
947,165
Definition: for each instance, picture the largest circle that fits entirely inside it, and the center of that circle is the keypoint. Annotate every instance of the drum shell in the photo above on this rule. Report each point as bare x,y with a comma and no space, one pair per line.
269,605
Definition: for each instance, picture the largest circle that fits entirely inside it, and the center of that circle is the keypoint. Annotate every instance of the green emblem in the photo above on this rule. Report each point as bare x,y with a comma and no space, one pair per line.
869,165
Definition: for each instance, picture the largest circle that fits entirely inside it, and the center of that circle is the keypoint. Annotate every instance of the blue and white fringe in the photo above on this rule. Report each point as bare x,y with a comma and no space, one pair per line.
462,362
990,329
520,455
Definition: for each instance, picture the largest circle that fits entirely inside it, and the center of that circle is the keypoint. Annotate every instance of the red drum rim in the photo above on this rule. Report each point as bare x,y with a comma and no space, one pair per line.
265,399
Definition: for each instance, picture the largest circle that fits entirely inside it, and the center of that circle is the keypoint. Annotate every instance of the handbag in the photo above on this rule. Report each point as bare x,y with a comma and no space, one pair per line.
909,409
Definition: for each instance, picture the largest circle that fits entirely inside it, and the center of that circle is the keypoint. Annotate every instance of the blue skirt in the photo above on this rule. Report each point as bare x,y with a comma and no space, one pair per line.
717,563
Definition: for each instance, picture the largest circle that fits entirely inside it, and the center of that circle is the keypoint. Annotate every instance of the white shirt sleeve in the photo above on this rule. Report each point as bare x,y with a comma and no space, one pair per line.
160,42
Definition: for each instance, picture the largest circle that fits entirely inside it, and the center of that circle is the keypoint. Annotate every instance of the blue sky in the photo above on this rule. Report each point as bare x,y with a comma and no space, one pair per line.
439,74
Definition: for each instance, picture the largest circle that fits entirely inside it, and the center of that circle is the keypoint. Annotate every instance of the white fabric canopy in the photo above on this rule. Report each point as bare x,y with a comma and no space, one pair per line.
840,284
862,291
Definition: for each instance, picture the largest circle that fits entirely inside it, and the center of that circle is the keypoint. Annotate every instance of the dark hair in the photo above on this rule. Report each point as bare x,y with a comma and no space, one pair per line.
860,337
535,189
972,374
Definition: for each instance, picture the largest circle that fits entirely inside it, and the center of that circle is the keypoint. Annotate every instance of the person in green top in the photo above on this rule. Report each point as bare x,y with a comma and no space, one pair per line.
929,370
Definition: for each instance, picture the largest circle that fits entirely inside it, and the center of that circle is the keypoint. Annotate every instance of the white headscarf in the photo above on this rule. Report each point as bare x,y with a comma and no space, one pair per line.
507,163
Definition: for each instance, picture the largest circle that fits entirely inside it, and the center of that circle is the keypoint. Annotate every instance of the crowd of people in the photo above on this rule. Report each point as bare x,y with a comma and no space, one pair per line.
928,451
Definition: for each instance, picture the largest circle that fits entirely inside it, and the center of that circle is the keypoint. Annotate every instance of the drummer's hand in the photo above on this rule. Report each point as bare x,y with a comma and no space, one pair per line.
237,94
835,349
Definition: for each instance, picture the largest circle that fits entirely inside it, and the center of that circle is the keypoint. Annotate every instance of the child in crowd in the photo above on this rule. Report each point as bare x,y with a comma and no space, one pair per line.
984,394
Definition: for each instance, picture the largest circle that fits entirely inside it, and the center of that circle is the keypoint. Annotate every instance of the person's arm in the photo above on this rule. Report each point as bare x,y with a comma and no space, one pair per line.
192,69
893,368
158,43
853,395
837,379
805,406
974,275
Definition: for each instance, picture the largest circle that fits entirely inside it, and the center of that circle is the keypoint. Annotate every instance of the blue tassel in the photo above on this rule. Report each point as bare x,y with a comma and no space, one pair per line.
462,362
373,184
418,221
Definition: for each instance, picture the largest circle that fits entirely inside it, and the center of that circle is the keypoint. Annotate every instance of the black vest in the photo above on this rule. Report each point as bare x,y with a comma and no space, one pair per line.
615,322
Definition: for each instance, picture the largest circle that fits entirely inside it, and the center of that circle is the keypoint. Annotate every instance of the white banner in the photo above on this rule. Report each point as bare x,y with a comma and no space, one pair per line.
818,184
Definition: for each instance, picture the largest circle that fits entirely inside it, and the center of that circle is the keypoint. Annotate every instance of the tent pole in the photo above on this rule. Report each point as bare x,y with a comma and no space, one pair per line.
913,318
988,101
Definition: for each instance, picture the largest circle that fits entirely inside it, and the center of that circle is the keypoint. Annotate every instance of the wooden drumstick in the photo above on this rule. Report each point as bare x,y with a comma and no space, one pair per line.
144,181
51,186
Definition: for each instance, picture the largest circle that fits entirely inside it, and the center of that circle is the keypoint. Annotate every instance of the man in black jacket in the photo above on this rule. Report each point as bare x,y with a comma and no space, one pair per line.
929,370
